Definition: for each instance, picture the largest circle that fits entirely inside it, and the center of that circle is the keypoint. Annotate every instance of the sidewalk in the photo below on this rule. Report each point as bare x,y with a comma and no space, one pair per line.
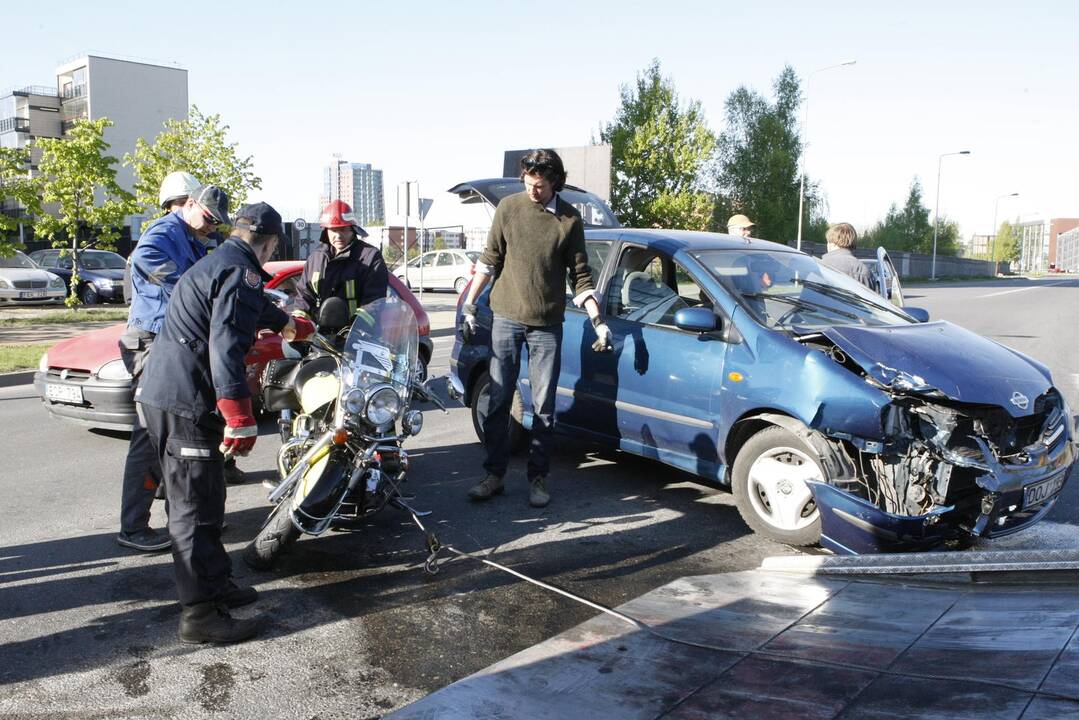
953,635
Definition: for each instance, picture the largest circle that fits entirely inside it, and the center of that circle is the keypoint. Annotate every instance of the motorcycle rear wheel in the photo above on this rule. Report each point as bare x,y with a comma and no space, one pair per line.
276,535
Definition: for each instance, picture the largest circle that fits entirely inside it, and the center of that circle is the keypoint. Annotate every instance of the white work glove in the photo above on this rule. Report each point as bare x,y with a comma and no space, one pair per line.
468,322
603,336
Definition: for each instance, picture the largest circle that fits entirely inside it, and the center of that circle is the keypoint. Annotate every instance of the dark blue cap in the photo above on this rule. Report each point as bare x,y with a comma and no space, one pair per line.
260,219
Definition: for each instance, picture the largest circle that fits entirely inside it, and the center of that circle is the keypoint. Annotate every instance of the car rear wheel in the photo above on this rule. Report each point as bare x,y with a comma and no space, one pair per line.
769,481
88,295
459,285
481,400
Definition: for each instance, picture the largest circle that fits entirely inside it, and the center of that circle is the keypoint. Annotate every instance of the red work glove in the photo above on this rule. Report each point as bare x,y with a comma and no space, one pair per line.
241,430
297,329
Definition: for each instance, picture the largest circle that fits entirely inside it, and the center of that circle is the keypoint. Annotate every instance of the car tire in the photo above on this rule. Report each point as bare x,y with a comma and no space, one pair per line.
480,400
88,295
768,481
459,285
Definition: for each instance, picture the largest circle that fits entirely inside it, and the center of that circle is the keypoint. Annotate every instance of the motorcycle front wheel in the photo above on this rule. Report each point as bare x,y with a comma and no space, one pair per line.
276,535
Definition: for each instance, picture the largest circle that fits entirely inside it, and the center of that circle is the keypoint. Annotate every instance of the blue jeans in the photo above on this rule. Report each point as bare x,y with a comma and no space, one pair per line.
544,363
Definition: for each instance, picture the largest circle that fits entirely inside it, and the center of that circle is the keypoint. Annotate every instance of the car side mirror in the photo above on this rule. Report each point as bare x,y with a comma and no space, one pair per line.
333,315
919,314
696,319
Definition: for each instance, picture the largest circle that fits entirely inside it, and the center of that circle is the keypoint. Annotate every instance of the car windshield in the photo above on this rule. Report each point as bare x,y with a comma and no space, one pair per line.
100,260
792,291
594,212
473,255
18,260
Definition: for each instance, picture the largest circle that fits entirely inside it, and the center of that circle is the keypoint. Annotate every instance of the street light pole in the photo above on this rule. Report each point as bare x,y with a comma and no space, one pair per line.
805,144
936,212
996,206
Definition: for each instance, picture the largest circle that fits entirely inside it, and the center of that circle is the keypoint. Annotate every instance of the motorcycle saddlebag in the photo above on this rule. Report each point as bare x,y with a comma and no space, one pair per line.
278,385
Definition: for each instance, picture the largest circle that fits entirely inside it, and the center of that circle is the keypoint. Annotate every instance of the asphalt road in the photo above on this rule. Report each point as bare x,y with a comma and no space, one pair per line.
353,626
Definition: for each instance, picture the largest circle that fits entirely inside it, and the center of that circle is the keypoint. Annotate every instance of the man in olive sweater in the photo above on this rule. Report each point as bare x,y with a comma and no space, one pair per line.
535,238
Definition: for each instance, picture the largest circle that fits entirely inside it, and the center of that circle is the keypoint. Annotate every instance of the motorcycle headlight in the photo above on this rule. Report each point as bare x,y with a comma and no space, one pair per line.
413,422
353,401
383,406
114,370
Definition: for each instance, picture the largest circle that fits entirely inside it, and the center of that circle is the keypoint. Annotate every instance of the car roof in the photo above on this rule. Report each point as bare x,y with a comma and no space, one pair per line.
671,241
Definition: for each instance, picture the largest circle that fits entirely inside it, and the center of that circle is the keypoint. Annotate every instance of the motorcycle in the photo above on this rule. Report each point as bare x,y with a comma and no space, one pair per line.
341,458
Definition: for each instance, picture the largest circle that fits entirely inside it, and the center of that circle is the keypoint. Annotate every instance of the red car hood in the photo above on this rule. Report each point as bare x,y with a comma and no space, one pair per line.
88,351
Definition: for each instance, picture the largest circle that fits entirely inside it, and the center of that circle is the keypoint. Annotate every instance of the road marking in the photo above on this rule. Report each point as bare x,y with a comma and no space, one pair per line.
1015,290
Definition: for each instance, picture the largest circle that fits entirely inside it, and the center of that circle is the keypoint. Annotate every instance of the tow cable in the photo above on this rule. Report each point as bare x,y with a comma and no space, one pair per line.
430,566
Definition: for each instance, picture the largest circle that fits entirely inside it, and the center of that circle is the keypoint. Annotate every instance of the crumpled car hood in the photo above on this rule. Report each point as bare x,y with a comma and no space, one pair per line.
941,356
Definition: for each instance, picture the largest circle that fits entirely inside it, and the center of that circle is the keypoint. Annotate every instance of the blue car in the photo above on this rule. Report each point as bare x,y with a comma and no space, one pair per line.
101,273
834,416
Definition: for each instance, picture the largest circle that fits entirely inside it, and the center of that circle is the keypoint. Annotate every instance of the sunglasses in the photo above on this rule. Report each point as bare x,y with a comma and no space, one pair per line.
208,216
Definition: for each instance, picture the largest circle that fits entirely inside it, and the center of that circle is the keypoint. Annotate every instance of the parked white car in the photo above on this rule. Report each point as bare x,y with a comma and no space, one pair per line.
22,282
441,270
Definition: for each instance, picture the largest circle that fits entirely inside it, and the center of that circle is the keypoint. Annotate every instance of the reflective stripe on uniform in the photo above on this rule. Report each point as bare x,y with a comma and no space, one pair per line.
194,452
314,280
350,293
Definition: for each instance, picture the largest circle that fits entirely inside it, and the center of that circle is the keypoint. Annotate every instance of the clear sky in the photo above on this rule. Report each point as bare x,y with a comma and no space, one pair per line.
435,91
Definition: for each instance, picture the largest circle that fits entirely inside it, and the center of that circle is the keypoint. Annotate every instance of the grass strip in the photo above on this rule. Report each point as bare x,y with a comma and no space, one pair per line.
63,317
21,357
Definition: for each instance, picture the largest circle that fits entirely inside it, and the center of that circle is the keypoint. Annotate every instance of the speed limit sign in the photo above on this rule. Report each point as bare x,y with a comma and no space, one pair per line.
299,224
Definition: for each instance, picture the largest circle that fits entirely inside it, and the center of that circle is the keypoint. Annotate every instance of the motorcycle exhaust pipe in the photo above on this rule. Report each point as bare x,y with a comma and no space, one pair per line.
301,467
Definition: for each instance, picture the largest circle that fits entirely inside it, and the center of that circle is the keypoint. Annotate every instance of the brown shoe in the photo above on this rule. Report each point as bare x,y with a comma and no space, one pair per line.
486,488
537,495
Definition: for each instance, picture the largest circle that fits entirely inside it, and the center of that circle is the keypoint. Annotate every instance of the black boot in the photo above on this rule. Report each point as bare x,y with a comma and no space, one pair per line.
233,474
211,622
237,596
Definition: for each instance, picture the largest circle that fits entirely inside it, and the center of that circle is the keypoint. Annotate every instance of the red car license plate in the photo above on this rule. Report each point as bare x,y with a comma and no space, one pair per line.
1038,493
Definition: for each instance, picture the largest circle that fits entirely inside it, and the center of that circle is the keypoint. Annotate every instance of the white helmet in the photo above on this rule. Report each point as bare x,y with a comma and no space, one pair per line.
177,185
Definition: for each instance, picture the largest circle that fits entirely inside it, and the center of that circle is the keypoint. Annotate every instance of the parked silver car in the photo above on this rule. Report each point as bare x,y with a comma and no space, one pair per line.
439,270
23,282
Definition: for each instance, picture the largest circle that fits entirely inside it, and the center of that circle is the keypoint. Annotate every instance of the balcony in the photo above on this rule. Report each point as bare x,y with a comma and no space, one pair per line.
41,90
74,91
16,124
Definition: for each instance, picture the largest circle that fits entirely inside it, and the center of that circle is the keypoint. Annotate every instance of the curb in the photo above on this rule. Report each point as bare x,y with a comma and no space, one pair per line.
16,378
928,562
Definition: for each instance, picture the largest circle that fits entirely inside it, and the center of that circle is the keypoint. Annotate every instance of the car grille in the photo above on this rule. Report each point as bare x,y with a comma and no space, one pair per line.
31,284
72,375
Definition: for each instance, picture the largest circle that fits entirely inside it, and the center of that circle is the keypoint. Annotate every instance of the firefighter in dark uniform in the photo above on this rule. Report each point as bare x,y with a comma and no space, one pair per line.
341,266
197,366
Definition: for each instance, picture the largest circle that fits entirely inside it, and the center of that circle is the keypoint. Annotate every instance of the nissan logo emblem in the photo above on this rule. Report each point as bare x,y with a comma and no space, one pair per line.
1020,400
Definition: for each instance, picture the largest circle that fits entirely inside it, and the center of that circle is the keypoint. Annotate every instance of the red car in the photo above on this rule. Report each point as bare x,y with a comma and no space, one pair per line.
84,380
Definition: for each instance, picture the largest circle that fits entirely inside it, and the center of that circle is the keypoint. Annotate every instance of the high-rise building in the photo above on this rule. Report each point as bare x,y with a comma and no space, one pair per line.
359,185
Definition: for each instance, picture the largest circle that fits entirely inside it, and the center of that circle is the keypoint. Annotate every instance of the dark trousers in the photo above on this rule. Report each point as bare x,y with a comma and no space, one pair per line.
195,488
142,469
544,363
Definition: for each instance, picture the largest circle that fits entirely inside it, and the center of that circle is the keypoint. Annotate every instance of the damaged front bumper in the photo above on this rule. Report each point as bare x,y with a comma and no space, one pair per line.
1012,498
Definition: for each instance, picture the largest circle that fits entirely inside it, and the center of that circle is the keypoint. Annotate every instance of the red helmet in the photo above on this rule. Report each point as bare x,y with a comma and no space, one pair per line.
338,214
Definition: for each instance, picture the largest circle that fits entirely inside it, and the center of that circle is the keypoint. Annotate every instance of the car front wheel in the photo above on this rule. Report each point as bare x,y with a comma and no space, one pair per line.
459,285
88,295
769,481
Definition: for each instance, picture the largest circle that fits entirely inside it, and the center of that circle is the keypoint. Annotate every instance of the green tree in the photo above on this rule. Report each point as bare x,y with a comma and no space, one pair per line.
197,145
17,185
659,151
756,164
908,229
78,177
1007,245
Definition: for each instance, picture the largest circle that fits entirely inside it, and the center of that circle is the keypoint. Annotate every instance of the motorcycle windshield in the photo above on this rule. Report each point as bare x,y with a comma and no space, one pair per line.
383,344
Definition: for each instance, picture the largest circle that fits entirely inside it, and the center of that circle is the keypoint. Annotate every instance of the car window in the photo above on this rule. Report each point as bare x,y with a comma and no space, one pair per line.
647,288
429,259
18,260
63,263
792,291
597,255
445,259
472,255
100,260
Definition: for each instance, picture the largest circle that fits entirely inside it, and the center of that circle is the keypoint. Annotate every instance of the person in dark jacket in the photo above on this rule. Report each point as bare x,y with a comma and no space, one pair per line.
842,239
536,238
341,266
196,405
168,248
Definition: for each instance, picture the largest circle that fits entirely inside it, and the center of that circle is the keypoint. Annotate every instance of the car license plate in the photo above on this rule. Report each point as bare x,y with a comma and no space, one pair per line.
64,393
31,295
1038,493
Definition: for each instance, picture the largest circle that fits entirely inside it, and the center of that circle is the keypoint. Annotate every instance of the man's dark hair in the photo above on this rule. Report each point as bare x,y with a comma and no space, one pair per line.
545,163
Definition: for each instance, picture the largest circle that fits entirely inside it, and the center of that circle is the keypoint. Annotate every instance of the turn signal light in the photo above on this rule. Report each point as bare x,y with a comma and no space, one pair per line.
735,376
340,436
